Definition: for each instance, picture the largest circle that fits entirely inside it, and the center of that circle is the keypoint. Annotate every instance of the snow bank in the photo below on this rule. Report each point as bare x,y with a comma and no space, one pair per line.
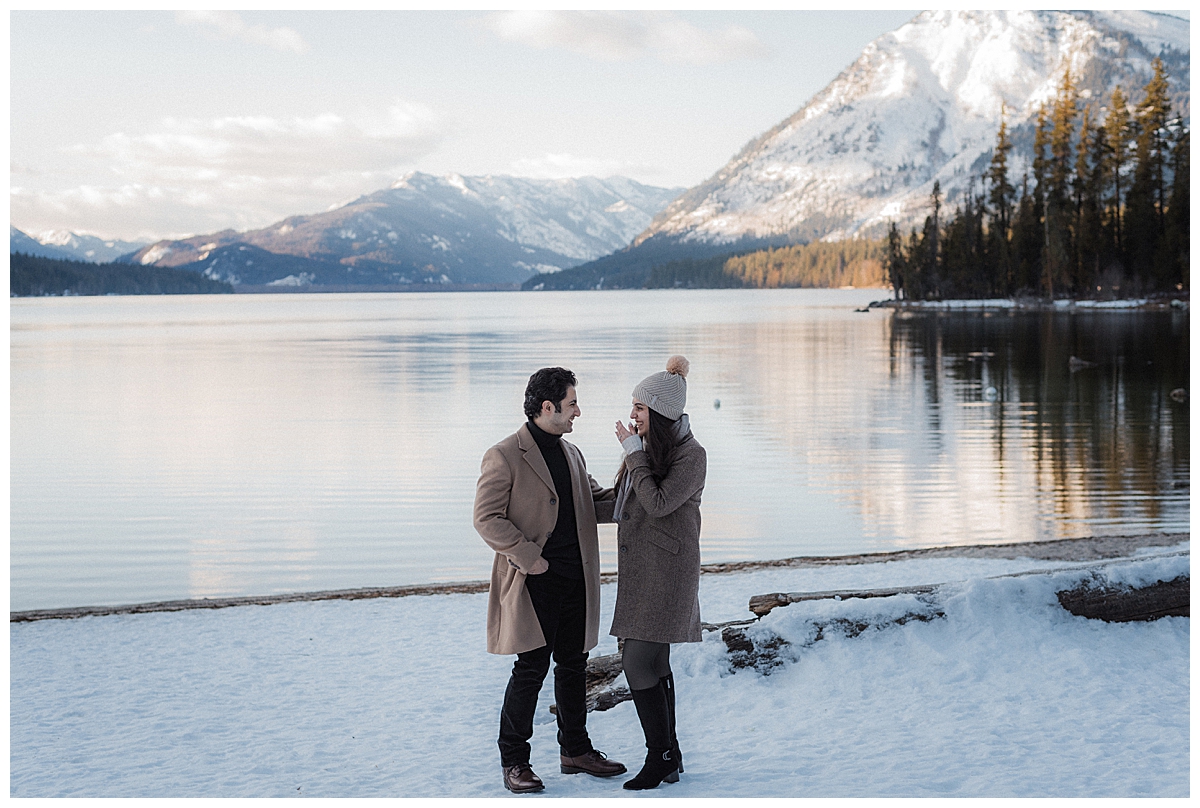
1034,304
1006,695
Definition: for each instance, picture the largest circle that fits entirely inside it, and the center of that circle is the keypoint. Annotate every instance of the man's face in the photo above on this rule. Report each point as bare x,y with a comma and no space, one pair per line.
559,423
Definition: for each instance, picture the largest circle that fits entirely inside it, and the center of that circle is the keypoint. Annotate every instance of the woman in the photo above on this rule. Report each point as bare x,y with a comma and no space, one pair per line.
657,512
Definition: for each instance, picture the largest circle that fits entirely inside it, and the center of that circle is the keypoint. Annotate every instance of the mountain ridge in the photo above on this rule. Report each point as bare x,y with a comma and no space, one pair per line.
70,246
437,229
789,183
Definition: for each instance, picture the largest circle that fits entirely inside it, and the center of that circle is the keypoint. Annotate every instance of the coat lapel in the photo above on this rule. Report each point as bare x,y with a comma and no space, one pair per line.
579,485
533,456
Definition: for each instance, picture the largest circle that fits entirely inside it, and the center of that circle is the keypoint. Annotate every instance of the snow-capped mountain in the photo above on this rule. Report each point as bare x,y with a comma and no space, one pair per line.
84,247
70,246
922,103
22,242
444,229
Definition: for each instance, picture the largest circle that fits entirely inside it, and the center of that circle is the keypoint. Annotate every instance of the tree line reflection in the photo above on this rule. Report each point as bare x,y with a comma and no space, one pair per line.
1097,401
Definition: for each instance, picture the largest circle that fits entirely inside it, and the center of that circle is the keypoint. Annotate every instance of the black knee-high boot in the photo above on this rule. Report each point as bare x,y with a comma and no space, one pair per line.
668,685
651,704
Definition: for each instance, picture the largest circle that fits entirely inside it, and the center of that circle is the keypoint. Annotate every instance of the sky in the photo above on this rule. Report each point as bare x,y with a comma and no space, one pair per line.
163,124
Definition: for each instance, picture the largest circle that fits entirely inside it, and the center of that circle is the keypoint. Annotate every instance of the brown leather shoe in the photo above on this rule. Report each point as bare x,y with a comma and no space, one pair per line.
520,779
594,763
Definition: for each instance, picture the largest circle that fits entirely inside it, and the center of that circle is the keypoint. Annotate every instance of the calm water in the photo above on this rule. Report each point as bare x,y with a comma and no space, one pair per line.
171,447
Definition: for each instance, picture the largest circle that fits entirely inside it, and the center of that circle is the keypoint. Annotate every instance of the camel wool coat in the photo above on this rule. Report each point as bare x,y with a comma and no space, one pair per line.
658,549
516,508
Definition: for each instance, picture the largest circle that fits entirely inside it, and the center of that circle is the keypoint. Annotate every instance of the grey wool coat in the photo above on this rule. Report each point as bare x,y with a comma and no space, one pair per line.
516,508
658,549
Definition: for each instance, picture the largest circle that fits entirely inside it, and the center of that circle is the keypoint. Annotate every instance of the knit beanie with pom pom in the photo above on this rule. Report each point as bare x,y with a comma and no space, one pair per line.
665,392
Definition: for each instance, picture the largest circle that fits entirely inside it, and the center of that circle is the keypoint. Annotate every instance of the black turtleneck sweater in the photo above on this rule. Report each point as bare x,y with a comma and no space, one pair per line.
561,550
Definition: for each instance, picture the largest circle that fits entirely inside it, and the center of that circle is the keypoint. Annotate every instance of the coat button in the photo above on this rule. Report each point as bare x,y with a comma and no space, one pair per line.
624,549
553,501
548,535
624,516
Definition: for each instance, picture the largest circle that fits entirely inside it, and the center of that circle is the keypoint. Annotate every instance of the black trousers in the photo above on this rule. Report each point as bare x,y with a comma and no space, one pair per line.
561,607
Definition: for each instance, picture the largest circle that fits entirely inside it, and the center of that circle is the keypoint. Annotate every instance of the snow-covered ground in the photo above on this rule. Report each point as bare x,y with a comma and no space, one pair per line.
1035,303
1008,695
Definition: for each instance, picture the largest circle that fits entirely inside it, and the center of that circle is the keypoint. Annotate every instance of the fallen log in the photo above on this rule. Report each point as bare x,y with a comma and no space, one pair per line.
1124,604
761,605
601,672
609,698
765,651
600,694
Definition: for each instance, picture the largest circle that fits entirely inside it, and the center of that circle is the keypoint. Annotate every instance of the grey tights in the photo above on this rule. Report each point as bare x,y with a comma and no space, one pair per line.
645,663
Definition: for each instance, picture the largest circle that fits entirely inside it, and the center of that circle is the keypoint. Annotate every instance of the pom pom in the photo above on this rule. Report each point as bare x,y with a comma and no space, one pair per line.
678,365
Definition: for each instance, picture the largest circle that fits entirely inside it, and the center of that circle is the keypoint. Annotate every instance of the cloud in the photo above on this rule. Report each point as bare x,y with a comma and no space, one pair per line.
560,166
230,25
614,36
264,146
195,175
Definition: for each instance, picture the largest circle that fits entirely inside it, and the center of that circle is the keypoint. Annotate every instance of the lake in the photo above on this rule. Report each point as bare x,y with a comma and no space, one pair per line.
205,446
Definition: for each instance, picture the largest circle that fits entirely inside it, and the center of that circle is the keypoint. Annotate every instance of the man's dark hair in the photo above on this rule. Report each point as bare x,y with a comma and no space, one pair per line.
547,384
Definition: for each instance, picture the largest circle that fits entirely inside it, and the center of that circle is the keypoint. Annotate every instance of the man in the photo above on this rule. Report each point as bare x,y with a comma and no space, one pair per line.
537,507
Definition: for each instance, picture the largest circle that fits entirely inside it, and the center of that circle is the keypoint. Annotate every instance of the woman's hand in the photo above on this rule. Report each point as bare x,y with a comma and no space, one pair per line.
624,432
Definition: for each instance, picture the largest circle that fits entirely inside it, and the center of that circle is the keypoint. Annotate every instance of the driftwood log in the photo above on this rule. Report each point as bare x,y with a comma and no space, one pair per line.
1124,604
601,695
766,651
601,672
761,605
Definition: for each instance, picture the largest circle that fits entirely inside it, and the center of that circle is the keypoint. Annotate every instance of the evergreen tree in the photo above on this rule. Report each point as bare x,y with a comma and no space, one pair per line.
1116,138
929,235
915,265
1041,139
1027,239
1058,213
1176,239
1089,165
895,262
1146,205
955,254
1001,198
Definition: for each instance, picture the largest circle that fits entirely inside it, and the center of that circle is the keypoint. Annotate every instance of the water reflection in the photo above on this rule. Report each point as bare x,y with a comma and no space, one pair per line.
203,447
1082,406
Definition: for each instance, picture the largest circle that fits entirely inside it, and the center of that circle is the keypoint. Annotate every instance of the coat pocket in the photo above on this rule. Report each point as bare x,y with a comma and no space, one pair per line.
660,539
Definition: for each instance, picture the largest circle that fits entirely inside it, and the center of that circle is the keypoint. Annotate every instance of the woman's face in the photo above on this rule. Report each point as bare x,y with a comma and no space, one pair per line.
640,415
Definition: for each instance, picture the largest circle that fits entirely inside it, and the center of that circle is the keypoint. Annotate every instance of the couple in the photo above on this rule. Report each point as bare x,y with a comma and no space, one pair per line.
537,507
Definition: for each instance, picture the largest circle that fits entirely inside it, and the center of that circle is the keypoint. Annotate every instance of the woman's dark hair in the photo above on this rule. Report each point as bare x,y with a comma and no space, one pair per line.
547,384
659,443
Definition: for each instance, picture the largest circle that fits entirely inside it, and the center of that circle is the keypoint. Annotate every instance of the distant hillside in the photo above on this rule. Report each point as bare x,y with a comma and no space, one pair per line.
819,265
35,276
630,268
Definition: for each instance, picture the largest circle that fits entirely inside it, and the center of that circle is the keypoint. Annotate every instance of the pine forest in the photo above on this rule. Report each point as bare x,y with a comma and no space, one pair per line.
1103,213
